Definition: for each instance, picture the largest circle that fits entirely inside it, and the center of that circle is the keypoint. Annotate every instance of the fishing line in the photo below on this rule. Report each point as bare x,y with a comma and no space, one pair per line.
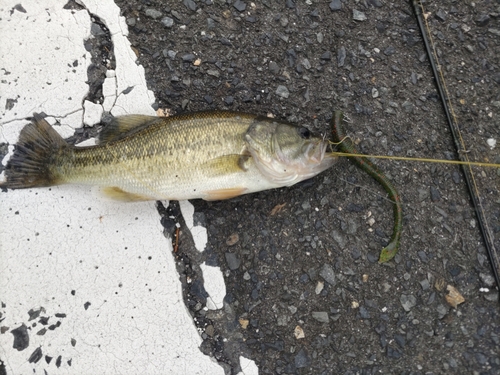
424,160
457,136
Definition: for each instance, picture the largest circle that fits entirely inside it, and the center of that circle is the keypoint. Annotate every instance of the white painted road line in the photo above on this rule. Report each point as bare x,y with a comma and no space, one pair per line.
100,275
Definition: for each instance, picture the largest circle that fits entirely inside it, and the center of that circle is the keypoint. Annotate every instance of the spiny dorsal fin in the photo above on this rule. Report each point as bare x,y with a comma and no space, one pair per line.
123,126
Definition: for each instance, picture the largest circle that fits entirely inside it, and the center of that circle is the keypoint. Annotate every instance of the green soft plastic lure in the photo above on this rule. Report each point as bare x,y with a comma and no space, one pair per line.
346,145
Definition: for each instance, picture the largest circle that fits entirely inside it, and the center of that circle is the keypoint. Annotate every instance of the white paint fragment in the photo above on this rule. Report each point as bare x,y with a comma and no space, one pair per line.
62,249
492,142
109,93
92,114
199,233
248,367
214,286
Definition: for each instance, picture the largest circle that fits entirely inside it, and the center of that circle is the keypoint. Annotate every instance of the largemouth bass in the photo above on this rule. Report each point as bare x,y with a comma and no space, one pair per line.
208,155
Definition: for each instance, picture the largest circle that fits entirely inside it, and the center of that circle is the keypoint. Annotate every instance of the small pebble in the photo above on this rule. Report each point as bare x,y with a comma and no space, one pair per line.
492,142
326,56
389,51
341,55
442,311
240,6
319,287
282,91
190,4
274,68
441,15
335,5
364,313
302,359
167,22
320,316
425,284
358,16
408,301
487,279
299,333
327,274
435,194
233,261
188,57
153,13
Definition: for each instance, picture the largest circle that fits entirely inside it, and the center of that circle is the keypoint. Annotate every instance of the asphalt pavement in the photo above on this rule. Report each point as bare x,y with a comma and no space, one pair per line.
285,281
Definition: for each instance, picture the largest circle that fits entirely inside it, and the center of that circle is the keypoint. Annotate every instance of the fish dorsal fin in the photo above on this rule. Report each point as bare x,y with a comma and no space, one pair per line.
123,126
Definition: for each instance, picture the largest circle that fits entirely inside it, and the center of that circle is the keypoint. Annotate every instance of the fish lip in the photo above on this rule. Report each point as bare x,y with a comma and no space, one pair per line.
319,149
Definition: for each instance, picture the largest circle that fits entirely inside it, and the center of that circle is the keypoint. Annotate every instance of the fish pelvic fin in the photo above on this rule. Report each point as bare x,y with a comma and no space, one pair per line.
227,164
123,126
118,194
38,148
221,194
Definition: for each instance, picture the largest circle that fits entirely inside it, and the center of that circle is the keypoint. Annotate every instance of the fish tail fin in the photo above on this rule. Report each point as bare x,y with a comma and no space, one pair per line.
35,153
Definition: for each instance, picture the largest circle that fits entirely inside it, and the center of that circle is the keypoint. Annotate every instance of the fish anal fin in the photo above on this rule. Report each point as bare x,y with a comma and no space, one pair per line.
123,126
115,193
221,194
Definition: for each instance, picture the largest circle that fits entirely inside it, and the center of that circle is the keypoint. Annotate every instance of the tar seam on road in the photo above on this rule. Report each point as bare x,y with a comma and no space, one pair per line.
457,137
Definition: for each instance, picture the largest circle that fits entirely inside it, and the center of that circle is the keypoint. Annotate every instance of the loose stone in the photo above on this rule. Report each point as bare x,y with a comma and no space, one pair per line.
408,301
358,16
327,274
320,316
153,13
282,91
335,5
167,22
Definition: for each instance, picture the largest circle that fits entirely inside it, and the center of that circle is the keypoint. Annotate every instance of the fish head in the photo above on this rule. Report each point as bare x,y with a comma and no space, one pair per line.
285,153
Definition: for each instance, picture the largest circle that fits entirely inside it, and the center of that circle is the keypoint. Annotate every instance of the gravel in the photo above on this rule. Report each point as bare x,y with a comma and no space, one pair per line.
322,261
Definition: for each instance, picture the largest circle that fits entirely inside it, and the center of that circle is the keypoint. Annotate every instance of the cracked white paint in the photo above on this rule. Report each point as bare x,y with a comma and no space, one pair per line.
248,367
198,232
58,240
212,276
92,113
128,73
214,286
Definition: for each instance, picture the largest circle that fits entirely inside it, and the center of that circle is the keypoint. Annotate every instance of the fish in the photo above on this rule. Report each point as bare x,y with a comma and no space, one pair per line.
212,155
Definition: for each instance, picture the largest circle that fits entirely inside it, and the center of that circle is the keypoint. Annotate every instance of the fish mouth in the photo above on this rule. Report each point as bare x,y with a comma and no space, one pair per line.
316,151
287,170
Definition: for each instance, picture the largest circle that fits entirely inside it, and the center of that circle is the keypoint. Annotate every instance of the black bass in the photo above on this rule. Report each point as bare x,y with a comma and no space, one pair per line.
208,155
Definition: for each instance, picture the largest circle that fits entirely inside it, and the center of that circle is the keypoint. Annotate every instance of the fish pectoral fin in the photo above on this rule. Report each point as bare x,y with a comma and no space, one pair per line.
221,194
115,193
124,126
227,164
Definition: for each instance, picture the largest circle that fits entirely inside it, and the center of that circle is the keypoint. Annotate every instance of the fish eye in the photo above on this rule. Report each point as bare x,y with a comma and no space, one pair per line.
304,133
